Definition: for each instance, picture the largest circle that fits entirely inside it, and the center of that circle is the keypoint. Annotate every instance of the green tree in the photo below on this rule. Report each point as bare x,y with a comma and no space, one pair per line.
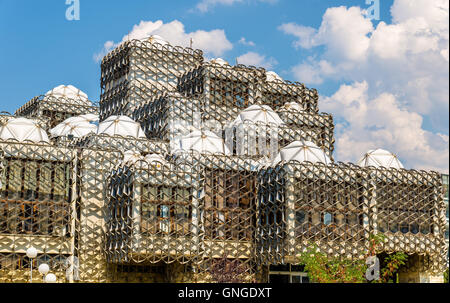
324,269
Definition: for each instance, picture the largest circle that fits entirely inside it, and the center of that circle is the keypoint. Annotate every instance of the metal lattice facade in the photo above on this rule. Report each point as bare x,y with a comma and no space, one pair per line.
192,209
37,208
175,218
137,70
337,207
55,109
172,115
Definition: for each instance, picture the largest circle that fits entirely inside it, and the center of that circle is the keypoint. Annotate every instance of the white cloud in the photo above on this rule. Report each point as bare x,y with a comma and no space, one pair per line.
206,5
212,42
336,21
313,72
382,123
244,41
255,59
404,64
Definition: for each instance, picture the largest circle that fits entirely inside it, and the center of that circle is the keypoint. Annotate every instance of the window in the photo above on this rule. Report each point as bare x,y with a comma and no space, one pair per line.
287,273
300,217
36,197
165,209
327,218
228,92
228,196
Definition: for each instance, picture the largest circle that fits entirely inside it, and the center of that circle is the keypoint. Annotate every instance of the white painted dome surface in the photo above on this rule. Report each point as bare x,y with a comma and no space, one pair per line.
273,76
302,151
121,126
204,142
219,61
293,106
131,156
75,128
259,114
380,158
156,159
69,92
22,129
90,118
157,39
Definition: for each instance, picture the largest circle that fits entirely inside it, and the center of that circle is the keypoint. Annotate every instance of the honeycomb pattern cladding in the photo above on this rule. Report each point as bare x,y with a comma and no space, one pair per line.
37,208
337,207
172,115
137,70
55,109
95,216
229,89
191,209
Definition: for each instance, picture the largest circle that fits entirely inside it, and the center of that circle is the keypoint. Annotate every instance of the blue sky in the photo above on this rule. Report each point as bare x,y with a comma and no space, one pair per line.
40,49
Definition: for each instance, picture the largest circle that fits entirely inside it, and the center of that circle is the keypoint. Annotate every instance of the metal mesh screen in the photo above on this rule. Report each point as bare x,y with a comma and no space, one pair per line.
55,109
137,70
337,207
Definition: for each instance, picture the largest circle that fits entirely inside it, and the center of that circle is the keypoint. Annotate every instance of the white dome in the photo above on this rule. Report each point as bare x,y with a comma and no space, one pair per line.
293,106
157,39
204,141
121,126
302,151
83,118
380,158
131,156
219,61
273,76
156,159
259,113
75,129
22,129
68,92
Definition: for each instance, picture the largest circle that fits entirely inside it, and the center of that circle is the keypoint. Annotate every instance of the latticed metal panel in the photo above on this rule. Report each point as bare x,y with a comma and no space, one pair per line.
170,116
230,89
266,139
99,154
337,207
121,143
37,208
192,209
137,70
410,211
55,109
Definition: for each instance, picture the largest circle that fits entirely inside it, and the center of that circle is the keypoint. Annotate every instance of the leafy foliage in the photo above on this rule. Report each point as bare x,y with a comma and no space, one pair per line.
324,269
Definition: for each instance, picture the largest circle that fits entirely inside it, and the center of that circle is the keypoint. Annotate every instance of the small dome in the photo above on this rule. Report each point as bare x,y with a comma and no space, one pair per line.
22,129
157,39
131,156
156,159
68,92
302,151
380,158
219,61
293,106
259,113
74,126
204,142
273,76
121,126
